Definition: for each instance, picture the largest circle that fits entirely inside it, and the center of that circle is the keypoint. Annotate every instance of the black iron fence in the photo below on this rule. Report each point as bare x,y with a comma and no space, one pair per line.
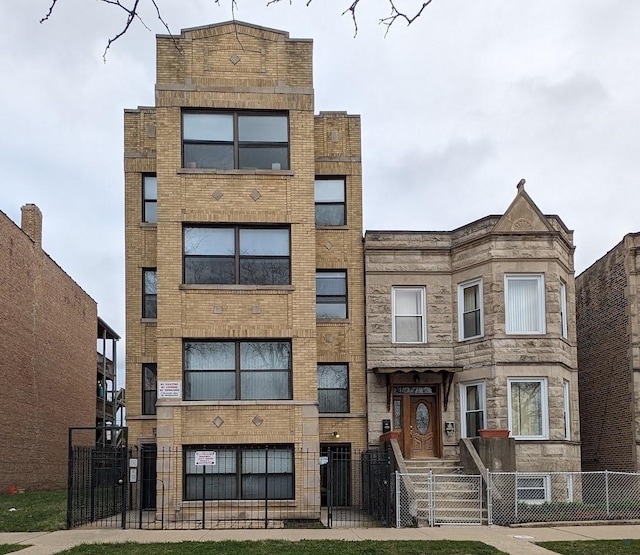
97,477
228,486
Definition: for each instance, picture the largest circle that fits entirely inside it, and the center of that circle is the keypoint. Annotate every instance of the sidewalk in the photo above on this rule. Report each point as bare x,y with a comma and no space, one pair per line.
516,541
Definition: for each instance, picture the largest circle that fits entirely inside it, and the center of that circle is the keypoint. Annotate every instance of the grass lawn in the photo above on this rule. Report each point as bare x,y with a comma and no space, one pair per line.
594,547
276,547
34,511
8,548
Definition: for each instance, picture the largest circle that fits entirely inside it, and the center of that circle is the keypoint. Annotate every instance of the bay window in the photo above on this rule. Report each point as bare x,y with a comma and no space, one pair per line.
470,311
524,304
528,408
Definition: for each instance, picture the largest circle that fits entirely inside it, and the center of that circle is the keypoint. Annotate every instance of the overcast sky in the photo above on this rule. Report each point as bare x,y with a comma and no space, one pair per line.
456,109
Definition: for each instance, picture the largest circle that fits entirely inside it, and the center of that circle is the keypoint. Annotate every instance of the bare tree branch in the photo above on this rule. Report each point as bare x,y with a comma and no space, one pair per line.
132,14
352,9
395,14
46,17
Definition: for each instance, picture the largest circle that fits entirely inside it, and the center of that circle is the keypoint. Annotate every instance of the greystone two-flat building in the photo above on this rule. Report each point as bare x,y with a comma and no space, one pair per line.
474,329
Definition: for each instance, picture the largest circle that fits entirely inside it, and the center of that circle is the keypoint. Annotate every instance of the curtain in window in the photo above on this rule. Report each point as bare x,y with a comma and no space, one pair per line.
408,315
523,305
526,408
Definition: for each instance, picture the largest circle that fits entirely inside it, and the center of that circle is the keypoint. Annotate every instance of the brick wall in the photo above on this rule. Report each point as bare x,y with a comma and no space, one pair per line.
47,362
605,377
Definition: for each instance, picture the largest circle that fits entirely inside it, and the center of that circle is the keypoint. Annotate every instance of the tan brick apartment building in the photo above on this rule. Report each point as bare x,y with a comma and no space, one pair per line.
475,328
244,268
47,359
608,329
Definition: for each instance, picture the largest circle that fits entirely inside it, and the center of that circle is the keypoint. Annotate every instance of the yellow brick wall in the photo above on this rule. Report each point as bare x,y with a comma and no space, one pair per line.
337,148
240,67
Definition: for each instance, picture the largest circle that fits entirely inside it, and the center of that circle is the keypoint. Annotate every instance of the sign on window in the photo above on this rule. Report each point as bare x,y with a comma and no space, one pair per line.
204,458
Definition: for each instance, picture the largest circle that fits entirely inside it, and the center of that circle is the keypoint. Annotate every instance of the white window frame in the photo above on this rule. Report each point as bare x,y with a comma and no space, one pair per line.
541,327
563,310
566,408
461,289
463,404
423,315
544,404
546,486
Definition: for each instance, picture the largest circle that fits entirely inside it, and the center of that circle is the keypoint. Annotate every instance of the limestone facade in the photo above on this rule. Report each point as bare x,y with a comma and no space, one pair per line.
497,346
256,78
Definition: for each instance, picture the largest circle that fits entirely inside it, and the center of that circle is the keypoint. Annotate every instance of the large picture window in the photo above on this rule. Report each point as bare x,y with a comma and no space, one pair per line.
252,472
331,294
473,408
236,255
329,195
228,140
524,304
150,293
528,408
149,388
333,388
470,312
408,315
221,370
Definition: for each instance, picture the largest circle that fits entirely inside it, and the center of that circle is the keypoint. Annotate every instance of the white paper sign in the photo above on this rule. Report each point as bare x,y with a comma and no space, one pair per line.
205,458
169,390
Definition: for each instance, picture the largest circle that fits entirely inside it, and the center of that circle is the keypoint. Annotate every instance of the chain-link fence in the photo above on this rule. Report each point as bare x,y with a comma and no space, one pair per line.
435,499
518,497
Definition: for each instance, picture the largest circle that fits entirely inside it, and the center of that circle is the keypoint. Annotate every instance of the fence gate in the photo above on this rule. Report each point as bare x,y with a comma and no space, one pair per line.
97,479
376,485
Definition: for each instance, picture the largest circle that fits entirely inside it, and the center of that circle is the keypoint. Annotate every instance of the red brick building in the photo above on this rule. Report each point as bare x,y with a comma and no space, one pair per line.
47,358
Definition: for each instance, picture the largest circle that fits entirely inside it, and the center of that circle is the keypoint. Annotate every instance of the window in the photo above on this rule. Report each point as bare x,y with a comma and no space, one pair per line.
149,199
524,303
330,193
333,388
528,413
228,140
532,488
252,472
563,310
331,294
408,315
470,310
219,370
149,388
473,407
236,255
565,409
150,293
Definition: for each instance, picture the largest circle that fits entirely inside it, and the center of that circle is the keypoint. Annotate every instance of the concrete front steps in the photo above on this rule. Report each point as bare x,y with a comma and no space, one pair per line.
456,497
